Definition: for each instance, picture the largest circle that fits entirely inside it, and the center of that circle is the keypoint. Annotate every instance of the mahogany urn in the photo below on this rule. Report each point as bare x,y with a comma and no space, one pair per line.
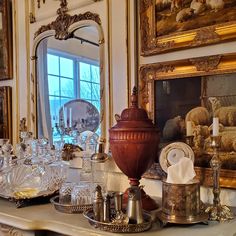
134,141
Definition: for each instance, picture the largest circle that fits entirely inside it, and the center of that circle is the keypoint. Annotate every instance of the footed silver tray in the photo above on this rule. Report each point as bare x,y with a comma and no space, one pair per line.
69,209
119,228
41,197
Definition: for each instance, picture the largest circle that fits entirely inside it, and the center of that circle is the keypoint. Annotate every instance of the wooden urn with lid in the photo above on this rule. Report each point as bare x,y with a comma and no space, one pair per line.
134,144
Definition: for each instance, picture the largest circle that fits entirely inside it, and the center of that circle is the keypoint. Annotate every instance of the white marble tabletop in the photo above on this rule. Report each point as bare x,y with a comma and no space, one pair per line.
45,217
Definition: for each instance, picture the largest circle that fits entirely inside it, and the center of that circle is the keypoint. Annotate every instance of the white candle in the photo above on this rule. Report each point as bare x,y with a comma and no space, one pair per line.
215,126
70,117
189,130
65,116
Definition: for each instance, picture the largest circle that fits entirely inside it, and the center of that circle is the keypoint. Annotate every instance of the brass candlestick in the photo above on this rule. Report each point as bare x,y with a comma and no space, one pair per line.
217,211
189,140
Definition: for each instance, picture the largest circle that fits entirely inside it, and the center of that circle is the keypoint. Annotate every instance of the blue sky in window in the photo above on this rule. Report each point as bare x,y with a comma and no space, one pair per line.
53,64
53,85
66,67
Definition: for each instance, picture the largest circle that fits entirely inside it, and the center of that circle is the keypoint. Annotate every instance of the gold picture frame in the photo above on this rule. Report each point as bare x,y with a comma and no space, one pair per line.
5,40
6,112
186,68
160,31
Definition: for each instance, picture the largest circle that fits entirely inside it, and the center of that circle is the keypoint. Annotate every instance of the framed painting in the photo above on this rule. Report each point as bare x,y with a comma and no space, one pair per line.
168,25
209,87
5,113
5,40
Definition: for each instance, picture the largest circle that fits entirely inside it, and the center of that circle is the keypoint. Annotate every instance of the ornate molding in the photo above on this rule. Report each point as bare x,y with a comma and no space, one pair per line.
205,36
64,21
149,73
39,1
6,230
145,4
206,63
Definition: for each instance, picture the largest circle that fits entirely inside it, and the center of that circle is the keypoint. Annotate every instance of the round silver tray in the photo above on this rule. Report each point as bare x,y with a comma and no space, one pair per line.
119,228
69,209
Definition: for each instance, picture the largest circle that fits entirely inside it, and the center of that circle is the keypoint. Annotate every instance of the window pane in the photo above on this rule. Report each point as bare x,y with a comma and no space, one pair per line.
65,100
95,74
53,64
85,90
53,85
54,109
85,71
67,88
96,104
95,92
66,66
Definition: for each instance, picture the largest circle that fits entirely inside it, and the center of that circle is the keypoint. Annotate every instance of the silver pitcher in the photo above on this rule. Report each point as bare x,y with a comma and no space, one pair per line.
134,206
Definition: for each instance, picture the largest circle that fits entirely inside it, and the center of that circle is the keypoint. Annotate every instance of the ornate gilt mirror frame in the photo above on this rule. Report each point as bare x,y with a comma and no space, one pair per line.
180,38
209,65
63,28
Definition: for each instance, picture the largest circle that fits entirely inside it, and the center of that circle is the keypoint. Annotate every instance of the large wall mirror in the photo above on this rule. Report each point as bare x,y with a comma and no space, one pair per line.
68,56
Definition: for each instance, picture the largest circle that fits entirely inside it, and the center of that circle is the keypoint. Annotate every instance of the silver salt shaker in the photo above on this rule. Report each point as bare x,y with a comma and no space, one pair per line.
107,208
98,204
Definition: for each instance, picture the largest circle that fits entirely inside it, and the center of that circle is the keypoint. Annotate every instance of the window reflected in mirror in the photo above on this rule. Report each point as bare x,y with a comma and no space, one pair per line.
66,70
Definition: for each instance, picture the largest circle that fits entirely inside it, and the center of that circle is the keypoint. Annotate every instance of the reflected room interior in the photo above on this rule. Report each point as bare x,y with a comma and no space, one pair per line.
67,70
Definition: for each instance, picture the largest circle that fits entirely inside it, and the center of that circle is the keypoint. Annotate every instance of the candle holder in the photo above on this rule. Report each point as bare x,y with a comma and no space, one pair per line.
217,211
189,140
62,130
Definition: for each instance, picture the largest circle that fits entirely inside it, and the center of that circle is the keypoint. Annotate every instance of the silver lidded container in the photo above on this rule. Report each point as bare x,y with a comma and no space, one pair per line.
98,203
134,207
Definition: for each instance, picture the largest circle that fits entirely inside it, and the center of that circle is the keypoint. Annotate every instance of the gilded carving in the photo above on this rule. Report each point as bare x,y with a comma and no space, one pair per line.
148,73
145,4
64,21
206,63
205,35
6,230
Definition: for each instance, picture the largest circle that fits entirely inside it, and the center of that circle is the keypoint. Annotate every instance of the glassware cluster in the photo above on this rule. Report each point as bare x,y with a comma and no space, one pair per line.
34,170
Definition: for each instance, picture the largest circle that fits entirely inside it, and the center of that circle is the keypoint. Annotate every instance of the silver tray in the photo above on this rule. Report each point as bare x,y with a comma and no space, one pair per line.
119,228
41,197
69,209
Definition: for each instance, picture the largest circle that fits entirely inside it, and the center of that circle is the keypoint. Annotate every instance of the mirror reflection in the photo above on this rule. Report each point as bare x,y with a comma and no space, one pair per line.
66,70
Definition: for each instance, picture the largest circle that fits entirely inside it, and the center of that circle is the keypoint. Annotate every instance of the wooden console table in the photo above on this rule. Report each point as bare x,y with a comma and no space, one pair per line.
45,220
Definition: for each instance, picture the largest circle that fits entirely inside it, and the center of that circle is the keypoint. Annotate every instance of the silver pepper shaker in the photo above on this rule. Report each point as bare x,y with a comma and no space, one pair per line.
107,208
98,204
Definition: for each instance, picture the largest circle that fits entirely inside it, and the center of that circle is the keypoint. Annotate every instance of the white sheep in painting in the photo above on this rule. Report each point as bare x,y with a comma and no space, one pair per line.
198,115
184,14
228,141
173,128
227,115
198,6
176,5
215,4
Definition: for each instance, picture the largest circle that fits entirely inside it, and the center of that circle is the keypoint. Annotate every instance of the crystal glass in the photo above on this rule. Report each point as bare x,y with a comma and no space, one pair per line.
58,149
7,149
99,175
81,194
65,192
